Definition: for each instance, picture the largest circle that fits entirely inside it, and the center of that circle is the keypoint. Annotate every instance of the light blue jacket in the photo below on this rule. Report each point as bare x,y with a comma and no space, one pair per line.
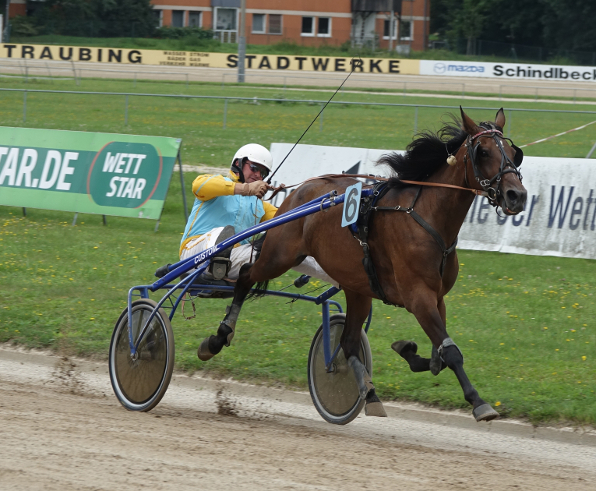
239,211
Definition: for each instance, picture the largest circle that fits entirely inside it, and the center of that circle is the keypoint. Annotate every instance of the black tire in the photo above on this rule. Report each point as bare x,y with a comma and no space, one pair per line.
140,382
335,394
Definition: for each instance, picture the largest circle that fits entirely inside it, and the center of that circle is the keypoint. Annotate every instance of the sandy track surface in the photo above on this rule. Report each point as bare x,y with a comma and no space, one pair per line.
62,429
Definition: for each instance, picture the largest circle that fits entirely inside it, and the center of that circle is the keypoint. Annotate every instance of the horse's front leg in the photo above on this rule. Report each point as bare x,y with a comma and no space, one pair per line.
358,307
431,317
213,344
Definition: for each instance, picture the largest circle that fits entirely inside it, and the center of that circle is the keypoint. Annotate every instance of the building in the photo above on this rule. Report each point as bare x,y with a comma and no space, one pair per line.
307,22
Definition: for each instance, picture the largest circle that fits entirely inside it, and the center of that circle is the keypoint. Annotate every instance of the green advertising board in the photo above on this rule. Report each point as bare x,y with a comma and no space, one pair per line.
100,173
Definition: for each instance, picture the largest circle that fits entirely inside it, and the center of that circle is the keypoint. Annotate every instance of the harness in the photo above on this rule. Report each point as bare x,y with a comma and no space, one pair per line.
492,193
362,228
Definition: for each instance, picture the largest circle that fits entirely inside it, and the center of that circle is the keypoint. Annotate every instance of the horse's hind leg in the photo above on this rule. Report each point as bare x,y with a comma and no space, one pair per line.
262,270
213,344
358,309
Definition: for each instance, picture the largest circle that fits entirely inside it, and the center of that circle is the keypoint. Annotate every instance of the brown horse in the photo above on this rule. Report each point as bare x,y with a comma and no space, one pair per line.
413,257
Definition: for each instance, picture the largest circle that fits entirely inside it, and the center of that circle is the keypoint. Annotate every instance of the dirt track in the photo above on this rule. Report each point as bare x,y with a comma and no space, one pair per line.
62,429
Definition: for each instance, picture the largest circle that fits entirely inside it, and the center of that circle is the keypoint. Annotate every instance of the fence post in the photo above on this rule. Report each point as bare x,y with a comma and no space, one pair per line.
225,113
321,119
416,120
24,106
126,111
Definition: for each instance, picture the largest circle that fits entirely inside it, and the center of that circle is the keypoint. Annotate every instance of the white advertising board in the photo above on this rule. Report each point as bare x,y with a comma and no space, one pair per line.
560,214
508,71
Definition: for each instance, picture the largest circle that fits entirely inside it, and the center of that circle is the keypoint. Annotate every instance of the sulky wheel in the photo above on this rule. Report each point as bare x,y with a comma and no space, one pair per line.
140,381
335,394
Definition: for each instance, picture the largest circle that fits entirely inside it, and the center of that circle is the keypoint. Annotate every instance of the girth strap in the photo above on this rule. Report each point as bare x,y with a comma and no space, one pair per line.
367,205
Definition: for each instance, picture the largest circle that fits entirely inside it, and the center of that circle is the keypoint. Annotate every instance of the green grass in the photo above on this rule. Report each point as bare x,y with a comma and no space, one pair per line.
200,122
63,287
524,336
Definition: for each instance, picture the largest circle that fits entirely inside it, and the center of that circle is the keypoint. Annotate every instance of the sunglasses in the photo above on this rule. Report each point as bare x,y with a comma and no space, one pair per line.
255,168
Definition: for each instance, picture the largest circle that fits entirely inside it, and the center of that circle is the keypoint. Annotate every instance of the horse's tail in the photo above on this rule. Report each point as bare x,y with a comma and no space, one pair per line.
258,291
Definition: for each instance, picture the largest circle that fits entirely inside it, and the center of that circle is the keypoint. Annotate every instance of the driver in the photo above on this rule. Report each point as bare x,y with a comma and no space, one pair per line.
226,205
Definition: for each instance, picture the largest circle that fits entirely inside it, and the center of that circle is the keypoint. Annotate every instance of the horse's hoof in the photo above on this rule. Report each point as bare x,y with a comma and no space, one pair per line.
203,352
485,413
400,346
375,409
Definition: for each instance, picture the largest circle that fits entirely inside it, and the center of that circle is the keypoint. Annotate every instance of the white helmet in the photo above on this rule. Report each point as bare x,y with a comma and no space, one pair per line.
255,153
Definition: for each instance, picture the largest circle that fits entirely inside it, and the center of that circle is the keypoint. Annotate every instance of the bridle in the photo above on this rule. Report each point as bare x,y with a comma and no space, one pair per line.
491,193
492,186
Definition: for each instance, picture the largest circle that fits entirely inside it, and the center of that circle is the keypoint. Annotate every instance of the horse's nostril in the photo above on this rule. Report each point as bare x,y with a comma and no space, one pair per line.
512,196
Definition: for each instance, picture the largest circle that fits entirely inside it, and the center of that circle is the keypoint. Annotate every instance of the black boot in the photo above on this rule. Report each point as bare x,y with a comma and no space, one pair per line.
220,263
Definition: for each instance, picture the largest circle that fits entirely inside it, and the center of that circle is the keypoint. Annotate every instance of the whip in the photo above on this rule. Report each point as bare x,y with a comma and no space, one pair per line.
316,117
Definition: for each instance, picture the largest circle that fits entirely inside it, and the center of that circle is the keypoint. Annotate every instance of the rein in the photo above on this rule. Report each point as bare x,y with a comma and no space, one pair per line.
477,192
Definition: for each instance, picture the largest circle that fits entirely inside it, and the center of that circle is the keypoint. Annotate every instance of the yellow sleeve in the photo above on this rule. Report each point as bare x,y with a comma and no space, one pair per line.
270,211
208,186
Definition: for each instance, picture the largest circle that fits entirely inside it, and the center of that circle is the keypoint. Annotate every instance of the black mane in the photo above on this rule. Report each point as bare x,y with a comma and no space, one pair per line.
427,152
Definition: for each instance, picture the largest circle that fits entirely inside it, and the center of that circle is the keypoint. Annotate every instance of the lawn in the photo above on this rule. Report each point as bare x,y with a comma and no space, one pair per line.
525,324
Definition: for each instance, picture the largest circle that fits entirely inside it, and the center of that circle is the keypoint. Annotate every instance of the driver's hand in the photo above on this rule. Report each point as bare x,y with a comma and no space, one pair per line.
257,188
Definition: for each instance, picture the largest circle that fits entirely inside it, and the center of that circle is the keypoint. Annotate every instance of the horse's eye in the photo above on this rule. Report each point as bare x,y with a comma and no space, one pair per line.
484,153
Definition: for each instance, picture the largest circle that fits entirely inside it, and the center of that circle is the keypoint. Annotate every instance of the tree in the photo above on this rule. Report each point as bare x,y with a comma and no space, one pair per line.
466,20
569,24
98,18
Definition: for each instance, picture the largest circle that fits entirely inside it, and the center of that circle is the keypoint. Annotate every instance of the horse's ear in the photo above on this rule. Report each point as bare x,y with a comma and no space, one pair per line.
468,125
500,118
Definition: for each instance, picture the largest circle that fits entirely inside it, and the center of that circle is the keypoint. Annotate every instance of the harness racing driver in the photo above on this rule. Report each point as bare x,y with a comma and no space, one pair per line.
226,205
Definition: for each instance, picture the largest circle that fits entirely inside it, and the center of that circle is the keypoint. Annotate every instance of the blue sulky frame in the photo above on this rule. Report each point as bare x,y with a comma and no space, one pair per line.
200,262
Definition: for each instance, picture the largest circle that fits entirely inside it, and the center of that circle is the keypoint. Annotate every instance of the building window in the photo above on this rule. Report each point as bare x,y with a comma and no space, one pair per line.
324,27
258,23
386,27
275,24
195,19
225,19
405,30
177,18
308,26
158,17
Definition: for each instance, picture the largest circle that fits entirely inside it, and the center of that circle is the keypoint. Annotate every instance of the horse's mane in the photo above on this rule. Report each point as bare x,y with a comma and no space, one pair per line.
426,153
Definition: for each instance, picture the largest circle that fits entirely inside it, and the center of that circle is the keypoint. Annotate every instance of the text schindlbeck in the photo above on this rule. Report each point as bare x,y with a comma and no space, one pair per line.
125,185
549,73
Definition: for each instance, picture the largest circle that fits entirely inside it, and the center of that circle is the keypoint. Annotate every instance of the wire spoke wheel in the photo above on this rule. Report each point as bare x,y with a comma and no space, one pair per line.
141,380
335,393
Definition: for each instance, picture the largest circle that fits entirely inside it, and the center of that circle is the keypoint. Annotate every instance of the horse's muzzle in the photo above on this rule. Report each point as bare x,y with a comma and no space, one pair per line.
514,201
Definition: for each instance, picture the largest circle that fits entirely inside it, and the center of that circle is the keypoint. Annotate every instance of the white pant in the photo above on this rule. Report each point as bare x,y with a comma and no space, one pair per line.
242,255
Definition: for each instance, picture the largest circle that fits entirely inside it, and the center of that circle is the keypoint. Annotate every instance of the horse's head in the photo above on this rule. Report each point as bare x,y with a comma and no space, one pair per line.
495,162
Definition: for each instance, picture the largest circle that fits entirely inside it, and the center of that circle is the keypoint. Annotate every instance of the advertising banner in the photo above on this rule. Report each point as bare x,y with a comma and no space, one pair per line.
508,71
119,56
559,218
101,173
